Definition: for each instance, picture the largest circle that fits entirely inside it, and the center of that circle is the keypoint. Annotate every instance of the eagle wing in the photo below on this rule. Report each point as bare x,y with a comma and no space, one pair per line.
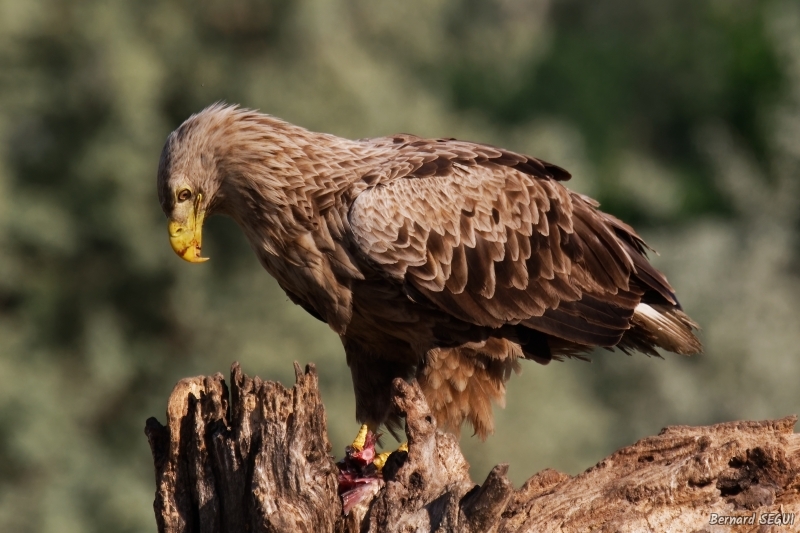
493,238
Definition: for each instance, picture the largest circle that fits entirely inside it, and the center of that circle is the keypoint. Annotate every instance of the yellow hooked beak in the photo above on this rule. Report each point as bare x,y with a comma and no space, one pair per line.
186,237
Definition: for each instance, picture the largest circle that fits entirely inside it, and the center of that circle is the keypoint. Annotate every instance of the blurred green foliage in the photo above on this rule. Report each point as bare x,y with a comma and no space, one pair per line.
642,75
681,116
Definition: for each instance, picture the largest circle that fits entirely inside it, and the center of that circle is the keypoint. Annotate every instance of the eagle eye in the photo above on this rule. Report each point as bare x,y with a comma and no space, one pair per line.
184,195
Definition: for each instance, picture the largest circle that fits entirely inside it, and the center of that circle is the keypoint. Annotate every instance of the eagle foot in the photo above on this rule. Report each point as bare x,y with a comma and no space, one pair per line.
362,471
382,458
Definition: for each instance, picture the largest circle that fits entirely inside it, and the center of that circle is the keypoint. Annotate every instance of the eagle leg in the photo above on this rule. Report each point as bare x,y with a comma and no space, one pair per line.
372,383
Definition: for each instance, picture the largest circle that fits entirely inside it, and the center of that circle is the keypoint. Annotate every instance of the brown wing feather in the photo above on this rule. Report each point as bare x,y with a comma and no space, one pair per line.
492,238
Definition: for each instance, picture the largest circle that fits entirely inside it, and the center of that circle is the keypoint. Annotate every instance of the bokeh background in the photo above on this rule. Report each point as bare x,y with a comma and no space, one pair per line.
681,116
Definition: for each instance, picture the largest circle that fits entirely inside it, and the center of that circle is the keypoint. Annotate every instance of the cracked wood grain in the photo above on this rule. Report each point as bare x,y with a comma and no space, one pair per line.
256,458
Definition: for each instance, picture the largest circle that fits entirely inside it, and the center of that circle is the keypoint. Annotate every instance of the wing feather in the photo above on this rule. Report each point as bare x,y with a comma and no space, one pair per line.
492,238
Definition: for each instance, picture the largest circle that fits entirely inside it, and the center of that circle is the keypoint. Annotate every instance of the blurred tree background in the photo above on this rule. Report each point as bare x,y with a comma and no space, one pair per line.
681,116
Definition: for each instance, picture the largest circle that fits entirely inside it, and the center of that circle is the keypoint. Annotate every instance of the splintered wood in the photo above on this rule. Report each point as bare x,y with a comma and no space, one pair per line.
257,458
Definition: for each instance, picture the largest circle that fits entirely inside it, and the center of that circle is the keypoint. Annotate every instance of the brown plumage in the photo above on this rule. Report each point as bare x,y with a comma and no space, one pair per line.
443,260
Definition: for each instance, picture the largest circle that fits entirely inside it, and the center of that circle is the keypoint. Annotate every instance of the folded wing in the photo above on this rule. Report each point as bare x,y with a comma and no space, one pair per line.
493,238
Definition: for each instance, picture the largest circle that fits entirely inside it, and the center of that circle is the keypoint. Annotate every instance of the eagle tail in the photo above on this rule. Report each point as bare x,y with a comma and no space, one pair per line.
661,326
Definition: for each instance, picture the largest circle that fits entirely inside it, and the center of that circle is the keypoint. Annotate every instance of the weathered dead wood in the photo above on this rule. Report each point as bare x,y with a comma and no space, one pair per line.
260,461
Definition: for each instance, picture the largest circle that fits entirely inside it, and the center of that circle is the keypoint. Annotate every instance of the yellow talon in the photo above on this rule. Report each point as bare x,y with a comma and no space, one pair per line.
361,439
380,460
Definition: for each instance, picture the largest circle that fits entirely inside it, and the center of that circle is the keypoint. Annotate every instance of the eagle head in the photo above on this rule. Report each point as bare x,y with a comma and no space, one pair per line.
189,181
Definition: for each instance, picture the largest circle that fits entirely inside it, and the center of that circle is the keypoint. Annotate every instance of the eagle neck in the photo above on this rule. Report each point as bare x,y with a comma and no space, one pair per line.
277,178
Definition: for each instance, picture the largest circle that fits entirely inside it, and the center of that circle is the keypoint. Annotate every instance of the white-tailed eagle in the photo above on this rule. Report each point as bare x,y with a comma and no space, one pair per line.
444,260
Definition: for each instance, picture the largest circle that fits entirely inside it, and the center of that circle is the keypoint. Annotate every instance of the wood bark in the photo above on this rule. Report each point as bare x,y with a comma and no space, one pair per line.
257,459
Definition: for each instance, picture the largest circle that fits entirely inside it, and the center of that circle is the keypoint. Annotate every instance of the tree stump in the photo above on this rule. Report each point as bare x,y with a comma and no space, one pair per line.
258,460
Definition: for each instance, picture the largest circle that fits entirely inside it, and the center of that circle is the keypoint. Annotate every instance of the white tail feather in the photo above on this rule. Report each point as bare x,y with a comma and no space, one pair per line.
667,328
